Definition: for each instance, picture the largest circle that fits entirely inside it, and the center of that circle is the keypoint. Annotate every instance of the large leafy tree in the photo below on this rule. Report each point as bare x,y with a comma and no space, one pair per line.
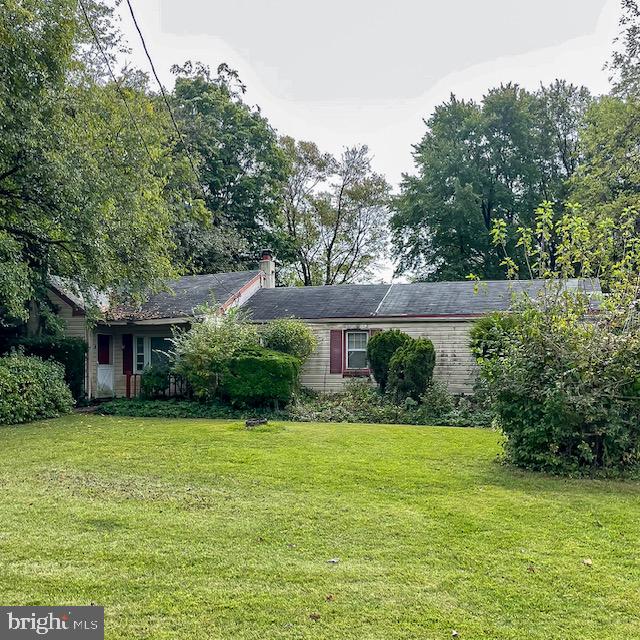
479,163
89,188
242,169
335,214
607,181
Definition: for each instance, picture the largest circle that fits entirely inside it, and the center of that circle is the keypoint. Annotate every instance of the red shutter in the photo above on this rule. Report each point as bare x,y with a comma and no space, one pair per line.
335,351
127,353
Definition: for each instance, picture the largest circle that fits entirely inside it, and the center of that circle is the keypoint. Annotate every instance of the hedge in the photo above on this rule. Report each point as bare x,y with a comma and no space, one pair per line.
258,376
32,389
289,335
70,352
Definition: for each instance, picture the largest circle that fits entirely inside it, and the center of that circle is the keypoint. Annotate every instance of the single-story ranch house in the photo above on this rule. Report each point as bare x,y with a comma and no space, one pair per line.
342,317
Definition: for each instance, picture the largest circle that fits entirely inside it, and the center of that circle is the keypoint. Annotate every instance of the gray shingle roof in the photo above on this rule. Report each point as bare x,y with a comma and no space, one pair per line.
188,293
343,301
398,300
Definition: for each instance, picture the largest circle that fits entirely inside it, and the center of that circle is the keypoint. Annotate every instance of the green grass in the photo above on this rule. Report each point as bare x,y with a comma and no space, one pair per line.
201,529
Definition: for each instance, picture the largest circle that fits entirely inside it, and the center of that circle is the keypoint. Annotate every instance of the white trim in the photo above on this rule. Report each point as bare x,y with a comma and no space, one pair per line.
145,357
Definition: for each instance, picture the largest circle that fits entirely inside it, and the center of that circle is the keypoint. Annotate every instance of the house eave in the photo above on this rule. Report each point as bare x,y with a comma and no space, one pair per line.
469,317
146,322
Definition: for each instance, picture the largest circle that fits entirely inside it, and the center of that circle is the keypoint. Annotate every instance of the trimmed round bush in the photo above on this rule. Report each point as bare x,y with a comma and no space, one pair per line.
32,389
380,350
291,336
411,369
258,376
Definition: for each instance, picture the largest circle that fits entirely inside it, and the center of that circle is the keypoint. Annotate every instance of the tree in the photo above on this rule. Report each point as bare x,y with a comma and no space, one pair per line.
411,369
564,380
561,109
380,349
335,214
84,184
624,65
479,163
241,167
607,181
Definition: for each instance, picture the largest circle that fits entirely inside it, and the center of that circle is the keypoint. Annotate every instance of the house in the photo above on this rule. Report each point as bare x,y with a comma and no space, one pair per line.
130,338
343,319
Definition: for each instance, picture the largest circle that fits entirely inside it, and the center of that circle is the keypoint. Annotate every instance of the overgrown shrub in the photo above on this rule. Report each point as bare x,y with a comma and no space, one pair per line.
201,354
411,369
154,381
380,350
360,402
32,389
70,352
436,401
566,391
259,376
291,336
489,335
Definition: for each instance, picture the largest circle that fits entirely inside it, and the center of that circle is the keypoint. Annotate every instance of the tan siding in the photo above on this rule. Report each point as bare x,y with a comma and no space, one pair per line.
75,327
454,363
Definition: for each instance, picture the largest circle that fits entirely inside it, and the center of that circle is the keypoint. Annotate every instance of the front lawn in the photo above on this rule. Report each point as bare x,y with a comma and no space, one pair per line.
202,529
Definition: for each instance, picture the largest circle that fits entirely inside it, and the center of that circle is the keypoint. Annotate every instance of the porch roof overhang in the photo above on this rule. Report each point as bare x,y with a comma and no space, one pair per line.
147,322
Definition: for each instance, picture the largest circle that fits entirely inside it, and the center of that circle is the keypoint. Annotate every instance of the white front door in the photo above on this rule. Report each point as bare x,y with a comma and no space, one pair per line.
104,386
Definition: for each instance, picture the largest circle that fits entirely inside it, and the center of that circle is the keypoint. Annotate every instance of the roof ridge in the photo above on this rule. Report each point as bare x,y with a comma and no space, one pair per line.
384,297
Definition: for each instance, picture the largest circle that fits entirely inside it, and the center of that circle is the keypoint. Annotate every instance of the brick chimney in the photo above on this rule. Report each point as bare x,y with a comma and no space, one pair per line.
268,267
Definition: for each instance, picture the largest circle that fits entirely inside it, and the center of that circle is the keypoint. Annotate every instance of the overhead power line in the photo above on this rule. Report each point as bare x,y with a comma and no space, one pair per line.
121,92
173,120
166,100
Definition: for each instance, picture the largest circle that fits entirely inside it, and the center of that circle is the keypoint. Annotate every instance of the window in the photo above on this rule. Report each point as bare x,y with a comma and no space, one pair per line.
139,354
150,351
357,349
159,349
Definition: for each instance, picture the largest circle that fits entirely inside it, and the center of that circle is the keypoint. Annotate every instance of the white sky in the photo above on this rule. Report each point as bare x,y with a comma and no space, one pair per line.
342,72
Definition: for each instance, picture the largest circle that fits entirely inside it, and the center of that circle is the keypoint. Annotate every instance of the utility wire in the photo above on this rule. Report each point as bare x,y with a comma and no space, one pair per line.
115,80
175,124
166,100
229,293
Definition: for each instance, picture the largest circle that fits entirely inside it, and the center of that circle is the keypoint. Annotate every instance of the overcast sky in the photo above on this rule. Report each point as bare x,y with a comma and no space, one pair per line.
341,72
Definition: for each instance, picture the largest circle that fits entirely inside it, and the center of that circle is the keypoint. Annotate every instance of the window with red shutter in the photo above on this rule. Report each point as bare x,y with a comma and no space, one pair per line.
356,345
